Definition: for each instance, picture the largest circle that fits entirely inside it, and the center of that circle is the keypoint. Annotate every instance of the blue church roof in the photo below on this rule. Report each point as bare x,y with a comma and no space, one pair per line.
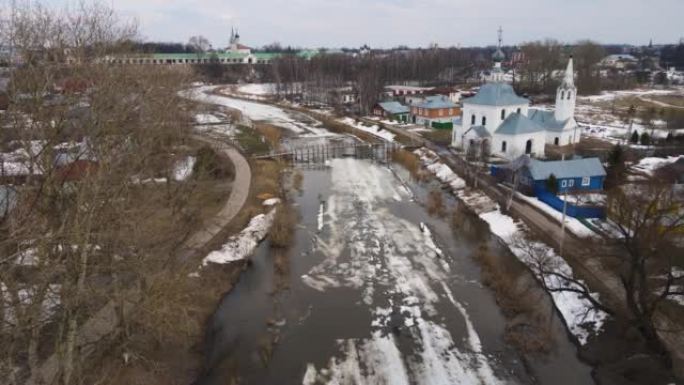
518,124
575,168
480,131
545,119
496,94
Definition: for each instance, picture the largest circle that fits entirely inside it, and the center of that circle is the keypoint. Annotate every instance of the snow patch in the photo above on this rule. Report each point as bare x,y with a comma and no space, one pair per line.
243,244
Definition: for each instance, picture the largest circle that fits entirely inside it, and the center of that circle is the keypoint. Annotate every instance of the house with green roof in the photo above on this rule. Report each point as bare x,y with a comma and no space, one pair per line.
235,53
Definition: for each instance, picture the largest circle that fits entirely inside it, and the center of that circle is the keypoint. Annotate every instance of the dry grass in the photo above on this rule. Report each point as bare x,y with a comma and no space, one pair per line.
297,180
272,134
284,224
438,136
410,162
527,327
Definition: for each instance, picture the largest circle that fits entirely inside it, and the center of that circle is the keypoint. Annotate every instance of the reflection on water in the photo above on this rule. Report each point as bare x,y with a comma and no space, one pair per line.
373,291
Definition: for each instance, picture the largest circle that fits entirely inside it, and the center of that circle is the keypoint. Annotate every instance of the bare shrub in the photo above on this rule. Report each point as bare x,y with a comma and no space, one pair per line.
210,164
435,203
410,162
271,133
527,328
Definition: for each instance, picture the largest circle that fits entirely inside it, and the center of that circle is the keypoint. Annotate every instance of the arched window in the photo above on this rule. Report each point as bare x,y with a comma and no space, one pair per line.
528,147
503,146
569,94
562,95
472,119
519,110
556,141
503,114
484,120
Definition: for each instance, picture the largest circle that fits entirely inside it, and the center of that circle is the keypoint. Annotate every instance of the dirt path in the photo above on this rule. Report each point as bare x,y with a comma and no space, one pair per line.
659,103
237,199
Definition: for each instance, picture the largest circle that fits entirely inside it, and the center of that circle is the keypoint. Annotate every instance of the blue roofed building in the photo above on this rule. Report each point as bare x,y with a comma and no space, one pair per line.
437,111
574,175
513,127
392,110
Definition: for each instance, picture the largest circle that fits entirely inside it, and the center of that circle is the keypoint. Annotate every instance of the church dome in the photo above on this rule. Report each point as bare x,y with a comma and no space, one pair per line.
498,56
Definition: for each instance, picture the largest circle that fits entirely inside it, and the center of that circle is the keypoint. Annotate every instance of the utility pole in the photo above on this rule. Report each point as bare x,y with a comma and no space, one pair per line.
565,207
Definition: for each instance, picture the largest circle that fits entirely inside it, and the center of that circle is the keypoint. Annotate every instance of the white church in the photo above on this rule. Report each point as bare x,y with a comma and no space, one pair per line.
500,119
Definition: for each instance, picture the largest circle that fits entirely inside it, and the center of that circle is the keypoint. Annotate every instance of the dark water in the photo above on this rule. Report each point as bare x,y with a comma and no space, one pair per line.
374,290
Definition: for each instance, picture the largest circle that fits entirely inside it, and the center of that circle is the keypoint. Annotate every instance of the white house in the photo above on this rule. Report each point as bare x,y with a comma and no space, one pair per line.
498,118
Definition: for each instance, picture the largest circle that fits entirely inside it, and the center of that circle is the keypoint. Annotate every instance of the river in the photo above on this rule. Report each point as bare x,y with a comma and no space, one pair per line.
373,291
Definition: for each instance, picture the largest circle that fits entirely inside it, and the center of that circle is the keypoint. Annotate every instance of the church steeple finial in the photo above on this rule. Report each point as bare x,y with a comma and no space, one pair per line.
499,56
500,37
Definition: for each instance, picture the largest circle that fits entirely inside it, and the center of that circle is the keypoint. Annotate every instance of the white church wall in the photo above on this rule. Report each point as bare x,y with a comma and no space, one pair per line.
516,144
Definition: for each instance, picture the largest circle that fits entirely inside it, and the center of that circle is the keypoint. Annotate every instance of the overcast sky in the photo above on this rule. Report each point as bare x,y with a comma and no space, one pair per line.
388,23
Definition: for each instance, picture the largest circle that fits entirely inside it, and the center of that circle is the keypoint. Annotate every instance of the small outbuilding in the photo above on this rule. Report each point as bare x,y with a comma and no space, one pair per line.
392,110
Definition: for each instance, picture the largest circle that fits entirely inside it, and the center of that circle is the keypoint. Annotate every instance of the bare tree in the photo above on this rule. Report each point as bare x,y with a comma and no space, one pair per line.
641,259
199,44
86,230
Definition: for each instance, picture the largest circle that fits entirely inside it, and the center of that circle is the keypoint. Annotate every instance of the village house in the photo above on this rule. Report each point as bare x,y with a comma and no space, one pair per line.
499,120
454,94
619,61
436,112
402,91
392,110
578,181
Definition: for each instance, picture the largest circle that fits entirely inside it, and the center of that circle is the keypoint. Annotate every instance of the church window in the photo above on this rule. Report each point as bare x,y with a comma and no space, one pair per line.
519,110
556,141
472,119
562,95
503,146
484,120
503,114
569,94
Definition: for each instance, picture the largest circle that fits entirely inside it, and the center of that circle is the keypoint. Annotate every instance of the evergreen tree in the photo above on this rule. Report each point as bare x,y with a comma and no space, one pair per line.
552,184
645,139
616,167
635,137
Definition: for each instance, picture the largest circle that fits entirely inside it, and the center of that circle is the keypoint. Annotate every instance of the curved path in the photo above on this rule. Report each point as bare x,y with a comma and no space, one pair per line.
237,199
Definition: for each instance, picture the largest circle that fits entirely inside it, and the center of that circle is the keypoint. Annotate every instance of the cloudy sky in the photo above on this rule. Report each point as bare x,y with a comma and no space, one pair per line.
387,23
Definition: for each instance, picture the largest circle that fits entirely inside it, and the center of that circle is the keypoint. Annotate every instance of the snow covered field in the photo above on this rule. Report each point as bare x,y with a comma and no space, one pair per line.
598,120
577,311
259,89
257,111
649,165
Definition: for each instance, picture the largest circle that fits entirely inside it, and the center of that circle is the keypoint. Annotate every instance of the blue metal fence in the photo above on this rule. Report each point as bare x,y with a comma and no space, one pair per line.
570,209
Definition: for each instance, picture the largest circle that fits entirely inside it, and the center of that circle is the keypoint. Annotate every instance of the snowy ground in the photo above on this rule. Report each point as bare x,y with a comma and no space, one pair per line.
258,112
373,130
649,165
581,319
598,120
571,224
401,274
241,245
259,89
209,123
183,168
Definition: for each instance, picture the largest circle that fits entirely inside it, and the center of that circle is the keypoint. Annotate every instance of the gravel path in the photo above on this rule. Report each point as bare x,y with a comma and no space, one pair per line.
237,199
